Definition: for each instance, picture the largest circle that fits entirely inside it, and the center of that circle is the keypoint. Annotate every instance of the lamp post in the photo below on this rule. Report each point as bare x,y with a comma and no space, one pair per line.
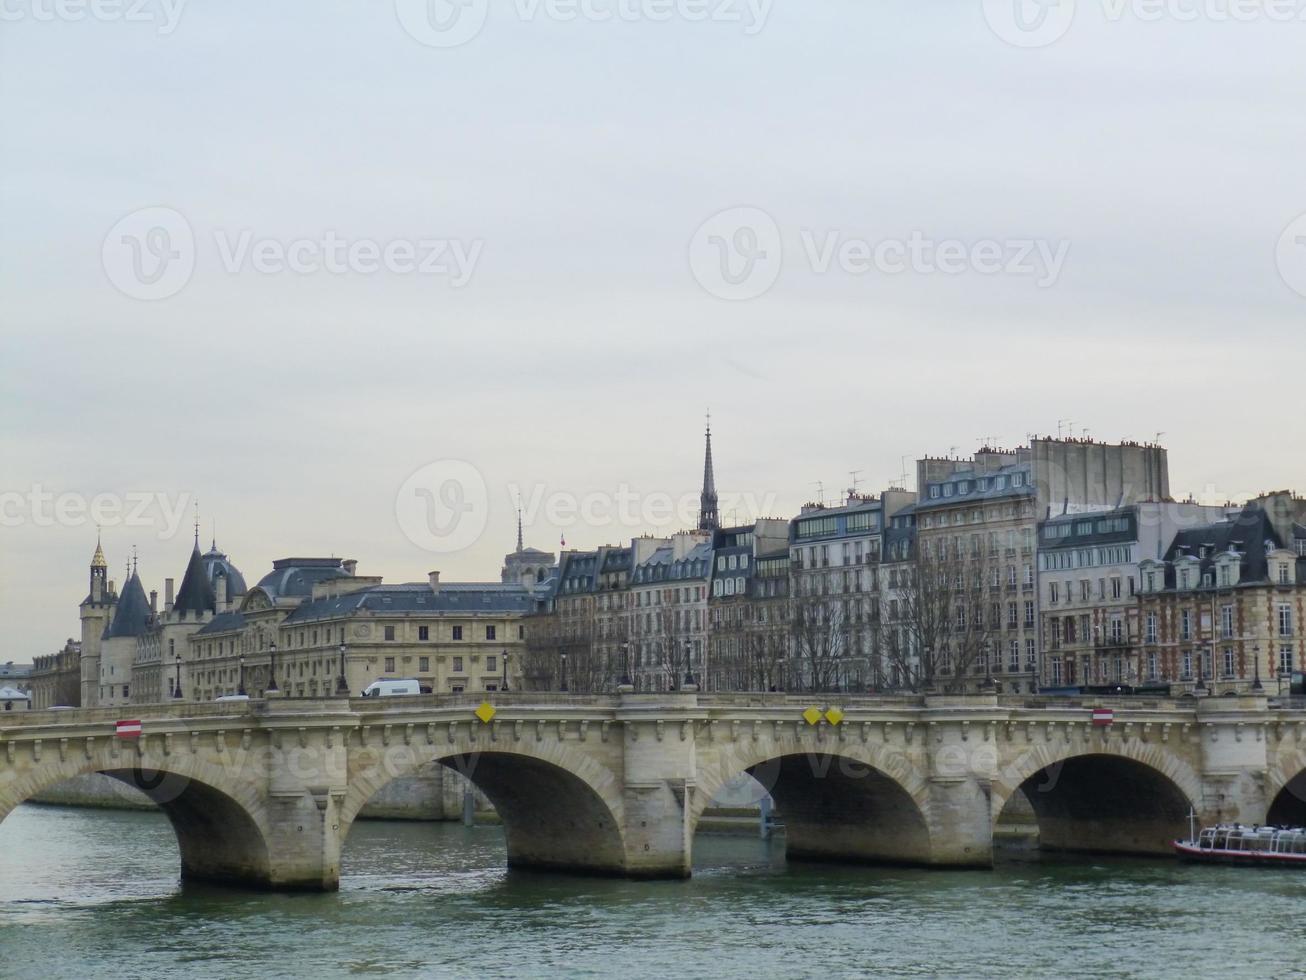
564,673
241,689
272,668
505,670
689,663
1257,687
1201,671
342,682
177,691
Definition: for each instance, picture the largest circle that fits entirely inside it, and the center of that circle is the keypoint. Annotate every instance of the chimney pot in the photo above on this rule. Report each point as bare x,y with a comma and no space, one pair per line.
434,579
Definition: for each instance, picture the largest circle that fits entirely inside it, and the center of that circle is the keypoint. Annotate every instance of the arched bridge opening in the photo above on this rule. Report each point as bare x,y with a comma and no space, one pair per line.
1100,804
218,839
835,807
552,817
1288,808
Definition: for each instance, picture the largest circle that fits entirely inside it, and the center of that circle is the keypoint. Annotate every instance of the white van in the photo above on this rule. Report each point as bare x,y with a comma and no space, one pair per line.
390,689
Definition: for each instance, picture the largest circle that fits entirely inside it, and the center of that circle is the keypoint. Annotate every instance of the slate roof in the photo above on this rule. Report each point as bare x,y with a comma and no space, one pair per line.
417,598
223,623
1250,533
216,563
196,593
295,577
662,567
132,614
992,491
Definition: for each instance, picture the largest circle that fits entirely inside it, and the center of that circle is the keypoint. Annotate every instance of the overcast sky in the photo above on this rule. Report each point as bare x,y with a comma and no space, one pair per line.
560,296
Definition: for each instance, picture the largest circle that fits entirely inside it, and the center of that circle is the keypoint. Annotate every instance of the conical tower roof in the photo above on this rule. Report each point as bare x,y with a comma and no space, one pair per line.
97,560
708,519
133,612
196,592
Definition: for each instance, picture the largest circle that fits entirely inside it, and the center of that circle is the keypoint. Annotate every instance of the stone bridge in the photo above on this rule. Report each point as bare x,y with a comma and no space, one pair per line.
263,793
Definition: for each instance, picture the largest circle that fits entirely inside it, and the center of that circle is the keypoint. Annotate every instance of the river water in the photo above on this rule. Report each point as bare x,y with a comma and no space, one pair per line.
95,894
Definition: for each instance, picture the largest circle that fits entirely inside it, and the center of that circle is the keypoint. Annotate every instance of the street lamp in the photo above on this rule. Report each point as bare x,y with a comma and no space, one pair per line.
342,683
241,689
1256,684
689,663
564,673
505,671
177,691
272,668
1201,671
625,665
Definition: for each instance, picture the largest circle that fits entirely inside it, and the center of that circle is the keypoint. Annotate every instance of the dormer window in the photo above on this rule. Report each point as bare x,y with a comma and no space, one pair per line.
1018,479
1285,576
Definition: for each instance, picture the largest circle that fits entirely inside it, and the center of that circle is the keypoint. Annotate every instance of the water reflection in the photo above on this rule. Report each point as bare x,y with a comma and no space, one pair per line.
85,893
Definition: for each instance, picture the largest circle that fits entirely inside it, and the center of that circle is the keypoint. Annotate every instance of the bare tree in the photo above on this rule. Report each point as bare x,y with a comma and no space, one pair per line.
819,639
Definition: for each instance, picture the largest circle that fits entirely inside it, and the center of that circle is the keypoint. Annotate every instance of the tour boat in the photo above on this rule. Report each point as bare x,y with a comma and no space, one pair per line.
1234,843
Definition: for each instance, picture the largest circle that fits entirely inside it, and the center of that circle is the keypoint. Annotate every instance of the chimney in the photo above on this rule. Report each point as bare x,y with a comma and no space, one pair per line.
528,578
112,588
349,565
434,579
167,595
220,593
154,601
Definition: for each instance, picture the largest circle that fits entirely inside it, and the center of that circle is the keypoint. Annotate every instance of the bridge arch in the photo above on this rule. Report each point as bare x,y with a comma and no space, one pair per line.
219,819
1285,787
1126,798
560,807
838,801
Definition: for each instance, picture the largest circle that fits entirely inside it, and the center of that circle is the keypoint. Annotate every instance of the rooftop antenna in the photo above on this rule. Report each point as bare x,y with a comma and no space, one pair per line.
135,560
902,461
197,523
953,450
820,491
854,474
1060,424
1071,428
1158,437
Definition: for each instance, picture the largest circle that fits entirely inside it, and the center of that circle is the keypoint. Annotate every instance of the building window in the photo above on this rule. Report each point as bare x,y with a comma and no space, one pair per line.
1285,658
423,664
457,632
423,632
458,665
1151,665
389,665
1188,665
1228,661
126,690
491,663
1226,622
489,632
1285,619
1186,625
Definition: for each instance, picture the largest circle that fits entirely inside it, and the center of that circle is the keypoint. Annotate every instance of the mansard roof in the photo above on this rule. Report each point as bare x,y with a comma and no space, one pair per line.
132,614
1249,534
453,598
295,577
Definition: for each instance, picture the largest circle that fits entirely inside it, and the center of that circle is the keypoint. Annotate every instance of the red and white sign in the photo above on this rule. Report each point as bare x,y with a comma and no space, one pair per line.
128,729
1103,716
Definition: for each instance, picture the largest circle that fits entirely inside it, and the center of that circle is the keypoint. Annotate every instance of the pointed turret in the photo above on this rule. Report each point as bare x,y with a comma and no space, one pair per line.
196,594
707,505
133,612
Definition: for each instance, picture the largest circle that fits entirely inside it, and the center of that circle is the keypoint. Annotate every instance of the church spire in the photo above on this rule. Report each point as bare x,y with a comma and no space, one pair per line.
520,544
97,560
707,509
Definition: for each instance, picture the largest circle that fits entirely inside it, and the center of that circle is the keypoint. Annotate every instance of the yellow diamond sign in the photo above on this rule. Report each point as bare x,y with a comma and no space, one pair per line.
834,716
485,712
812,716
